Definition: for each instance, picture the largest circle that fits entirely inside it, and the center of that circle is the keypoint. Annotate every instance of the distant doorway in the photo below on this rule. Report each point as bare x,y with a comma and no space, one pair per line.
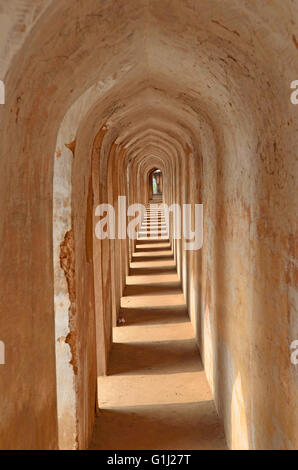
156,183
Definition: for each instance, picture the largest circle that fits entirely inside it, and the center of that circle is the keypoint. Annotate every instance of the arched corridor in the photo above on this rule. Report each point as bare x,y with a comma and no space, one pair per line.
125,326
155,395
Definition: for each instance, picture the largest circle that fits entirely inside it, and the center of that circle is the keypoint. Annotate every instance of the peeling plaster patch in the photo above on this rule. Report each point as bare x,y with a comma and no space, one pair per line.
71,339
67,263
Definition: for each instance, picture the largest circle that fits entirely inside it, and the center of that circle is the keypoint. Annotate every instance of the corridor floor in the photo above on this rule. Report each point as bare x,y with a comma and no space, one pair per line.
156,394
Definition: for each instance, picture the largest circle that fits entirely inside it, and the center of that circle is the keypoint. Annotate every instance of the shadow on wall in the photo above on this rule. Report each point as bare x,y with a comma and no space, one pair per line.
229,312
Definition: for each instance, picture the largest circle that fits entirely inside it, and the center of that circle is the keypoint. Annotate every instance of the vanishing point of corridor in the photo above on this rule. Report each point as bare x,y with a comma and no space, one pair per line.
156,395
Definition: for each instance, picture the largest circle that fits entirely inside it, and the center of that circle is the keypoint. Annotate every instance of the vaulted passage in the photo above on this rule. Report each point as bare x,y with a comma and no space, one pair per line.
147,200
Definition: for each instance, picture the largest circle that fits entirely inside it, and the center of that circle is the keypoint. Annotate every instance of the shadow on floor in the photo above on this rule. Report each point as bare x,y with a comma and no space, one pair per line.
160,357
173,288
157,316
138,270
170,426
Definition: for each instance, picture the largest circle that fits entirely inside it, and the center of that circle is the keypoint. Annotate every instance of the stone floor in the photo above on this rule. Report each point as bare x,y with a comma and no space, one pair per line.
156,394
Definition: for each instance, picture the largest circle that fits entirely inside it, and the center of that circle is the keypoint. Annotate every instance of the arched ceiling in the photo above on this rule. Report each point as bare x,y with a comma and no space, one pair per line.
161,66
